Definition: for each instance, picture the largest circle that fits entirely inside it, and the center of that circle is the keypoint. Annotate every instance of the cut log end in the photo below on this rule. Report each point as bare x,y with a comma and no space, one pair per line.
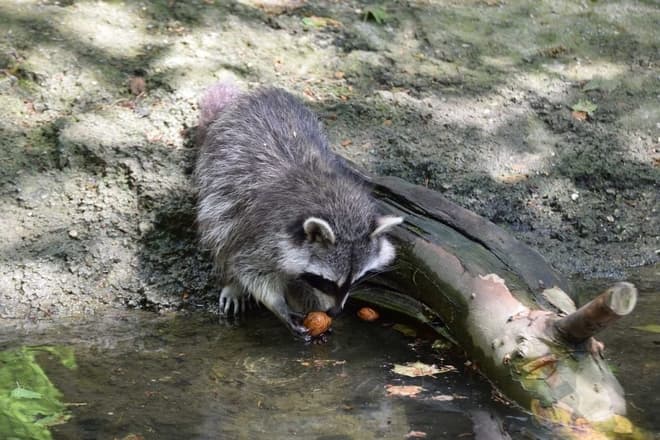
616,302
622,298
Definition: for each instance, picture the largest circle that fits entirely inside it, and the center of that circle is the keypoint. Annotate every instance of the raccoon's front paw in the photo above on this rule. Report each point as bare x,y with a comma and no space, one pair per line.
233,300
300,331
294,322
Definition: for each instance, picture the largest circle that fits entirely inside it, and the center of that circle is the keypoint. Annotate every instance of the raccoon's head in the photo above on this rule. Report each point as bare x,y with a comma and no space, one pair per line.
332,261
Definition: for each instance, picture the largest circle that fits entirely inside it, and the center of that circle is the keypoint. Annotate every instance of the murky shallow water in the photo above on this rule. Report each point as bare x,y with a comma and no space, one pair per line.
185,376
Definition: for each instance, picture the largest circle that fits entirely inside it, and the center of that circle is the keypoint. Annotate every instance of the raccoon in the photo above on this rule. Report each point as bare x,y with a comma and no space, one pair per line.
287,221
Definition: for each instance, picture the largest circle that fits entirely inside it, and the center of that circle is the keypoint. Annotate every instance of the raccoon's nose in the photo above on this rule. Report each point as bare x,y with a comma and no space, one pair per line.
334,311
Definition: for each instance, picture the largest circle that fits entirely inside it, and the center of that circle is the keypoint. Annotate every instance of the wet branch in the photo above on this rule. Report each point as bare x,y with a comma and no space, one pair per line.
502,304
608,307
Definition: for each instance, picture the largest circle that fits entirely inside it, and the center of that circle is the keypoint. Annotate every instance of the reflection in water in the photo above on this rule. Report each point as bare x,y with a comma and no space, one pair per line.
187,376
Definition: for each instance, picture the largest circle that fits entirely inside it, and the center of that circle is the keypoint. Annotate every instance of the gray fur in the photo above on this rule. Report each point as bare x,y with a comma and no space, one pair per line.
264,169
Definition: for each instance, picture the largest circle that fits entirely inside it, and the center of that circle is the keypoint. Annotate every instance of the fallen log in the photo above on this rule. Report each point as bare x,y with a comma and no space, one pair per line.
510,312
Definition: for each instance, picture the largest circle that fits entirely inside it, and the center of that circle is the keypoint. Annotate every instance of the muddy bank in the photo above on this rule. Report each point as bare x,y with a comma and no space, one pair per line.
473,99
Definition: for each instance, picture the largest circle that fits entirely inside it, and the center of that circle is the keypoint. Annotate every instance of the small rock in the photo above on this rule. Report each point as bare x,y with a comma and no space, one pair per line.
73,233
610,219
144,227
574,196
142,111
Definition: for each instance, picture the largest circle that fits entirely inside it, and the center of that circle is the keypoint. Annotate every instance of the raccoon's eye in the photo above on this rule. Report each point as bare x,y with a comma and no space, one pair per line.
320,283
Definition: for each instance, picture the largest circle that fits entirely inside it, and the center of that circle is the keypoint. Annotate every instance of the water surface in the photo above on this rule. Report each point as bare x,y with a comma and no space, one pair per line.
188,376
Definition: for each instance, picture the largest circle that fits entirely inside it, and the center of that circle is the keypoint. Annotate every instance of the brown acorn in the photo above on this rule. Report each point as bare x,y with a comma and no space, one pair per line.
317,323
368,314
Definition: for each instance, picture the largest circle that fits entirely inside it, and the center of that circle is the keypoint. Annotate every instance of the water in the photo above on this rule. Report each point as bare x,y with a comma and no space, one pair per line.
185,376
635,354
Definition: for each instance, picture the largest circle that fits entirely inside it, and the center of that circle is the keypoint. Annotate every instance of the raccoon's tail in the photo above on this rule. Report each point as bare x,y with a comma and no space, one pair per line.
212,102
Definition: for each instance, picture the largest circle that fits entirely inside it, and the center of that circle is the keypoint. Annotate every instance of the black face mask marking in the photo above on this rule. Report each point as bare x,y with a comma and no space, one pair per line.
329,287
320,283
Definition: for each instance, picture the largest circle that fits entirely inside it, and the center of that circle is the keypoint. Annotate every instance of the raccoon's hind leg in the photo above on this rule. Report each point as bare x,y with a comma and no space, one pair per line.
233,296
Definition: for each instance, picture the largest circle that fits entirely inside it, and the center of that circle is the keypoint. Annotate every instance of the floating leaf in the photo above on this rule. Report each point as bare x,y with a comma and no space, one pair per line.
376,13
441,345
445,397
405,330
416,434
403,390
133,437
416,369
584,106
651,328
320,363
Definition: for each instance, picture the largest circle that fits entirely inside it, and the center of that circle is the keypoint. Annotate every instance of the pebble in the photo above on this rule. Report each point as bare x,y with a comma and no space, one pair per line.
144,227
73,233
574,196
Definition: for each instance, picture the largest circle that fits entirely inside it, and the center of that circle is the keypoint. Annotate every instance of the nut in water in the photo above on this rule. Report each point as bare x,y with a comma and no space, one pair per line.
317,323
367,314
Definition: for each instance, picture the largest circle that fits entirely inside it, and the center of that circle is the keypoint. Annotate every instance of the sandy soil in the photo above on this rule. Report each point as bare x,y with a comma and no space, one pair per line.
472,98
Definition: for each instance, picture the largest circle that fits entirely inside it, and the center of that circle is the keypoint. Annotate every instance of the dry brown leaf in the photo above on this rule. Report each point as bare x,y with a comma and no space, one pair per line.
416,369
403,390
443,398
513,178
580,116
320,22
277,7
346,142
553,52
309,93
137,85
416,434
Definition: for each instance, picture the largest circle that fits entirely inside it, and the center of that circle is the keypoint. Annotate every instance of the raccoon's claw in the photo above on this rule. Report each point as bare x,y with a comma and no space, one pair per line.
231,306
300,331
295,325
233,301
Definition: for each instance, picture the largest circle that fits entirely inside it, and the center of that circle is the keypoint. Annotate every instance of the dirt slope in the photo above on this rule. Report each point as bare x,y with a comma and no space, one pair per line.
472,98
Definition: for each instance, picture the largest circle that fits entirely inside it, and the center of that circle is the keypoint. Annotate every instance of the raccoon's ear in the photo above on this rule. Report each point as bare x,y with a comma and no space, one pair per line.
317,229
385,223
